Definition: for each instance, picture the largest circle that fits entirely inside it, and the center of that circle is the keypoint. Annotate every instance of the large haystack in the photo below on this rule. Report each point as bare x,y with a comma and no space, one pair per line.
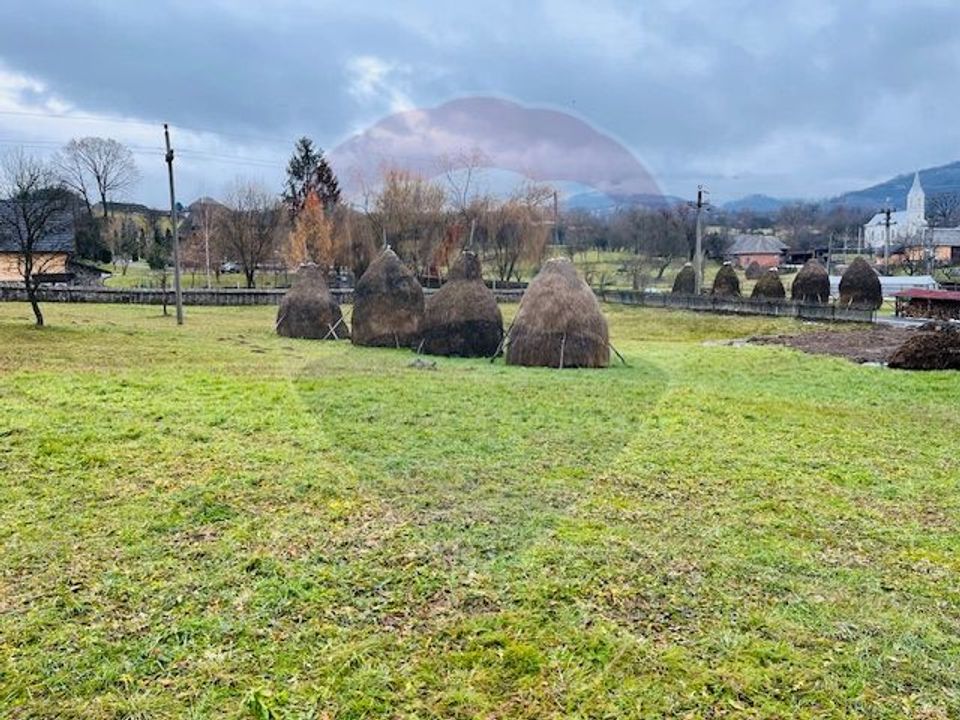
308,310
769,287
726,283
860,286
754,271
559,322
387,304
685,283
933,347
811,286
462,318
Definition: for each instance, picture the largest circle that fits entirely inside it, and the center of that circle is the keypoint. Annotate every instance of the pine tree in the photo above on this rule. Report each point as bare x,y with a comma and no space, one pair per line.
309,172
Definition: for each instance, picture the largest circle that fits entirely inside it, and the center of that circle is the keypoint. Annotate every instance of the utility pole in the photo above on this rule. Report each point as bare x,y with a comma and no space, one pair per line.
556,220
176,233
698,252
887,212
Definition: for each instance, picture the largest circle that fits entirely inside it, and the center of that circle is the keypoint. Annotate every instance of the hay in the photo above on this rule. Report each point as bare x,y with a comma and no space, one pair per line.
754,271
685,283
559,322
387,304
811,286
462,318
726,283
860,286
769,287
308,310
932,347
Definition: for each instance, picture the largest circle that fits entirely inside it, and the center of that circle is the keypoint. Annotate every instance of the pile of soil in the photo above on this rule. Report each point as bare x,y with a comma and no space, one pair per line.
876,344
935,346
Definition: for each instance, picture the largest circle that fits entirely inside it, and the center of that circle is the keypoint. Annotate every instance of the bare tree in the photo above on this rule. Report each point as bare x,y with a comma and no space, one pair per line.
409,209
97,165
943,209
251,225
34,211
518,229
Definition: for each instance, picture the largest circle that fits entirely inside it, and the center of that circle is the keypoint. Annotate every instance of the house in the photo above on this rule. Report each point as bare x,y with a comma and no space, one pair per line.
51,256
765,250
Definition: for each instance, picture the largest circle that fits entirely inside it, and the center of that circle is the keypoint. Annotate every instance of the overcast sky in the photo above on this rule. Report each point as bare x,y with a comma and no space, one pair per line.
802,98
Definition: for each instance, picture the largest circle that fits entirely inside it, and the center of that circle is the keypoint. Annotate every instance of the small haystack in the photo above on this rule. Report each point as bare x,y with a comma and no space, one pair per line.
308,310
860,286
685,283
769,287
811,286
387,304
932,347
559,322
726,283
754,271
462,318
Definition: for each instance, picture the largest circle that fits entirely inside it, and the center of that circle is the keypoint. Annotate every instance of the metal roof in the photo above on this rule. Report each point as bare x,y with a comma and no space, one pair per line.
921,294
59,241
756,245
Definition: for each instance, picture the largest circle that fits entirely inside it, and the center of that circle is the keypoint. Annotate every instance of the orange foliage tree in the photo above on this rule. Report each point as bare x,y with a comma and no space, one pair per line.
311,239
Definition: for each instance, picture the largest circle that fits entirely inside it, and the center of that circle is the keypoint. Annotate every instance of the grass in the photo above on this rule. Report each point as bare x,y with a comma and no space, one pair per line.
213,521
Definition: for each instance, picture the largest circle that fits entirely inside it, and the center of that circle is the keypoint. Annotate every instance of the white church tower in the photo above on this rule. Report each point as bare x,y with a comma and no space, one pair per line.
916,205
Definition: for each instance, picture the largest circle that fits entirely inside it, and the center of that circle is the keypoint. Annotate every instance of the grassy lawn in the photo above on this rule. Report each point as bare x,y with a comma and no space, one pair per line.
214,522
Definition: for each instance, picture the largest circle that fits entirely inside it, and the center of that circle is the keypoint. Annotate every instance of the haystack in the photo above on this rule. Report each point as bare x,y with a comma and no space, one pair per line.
860,286
559,322
811,286
726,283
754,271
932,347
685,283
769,287
308,310
387,304
462,318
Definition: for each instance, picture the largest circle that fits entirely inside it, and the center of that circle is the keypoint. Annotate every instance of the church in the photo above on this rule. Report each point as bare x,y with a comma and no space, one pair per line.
905,225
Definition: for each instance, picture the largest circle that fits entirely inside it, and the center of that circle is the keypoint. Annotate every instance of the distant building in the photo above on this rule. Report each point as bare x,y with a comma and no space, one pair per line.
765,250
904,224
51,256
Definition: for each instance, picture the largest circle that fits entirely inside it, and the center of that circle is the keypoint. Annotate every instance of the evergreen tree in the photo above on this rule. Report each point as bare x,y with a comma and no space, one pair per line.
308,172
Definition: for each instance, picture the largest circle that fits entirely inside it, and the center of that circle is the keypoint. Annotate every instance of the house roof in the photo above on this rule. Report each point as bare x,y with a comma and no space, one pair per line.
756,245
61,240
922,294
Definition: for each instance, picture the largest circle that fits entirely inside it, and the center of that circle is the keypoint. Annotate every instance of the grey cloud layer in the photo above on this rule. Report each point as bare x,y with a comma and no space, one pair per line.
781,97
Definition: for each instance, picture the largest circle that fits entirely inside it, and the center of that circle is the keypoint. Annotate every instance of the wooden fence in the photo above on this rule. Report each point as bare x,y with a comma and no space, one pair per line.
737,306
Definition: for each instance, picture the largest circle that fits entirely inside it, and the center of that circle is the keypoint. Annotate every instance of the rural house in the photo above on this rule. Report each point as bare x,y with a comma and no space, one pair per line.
765,250
52,255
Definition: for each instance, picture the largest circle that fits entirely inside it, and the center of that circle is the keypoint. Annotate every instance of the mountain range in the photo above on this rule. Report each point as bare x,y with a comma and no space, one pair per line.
935,180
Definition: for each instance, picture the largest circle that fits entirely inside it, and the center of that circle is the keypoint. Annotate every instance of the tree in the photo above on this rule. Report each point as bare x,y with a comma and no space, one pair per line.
97,165
159,255
250,226
35,209
311,239
409,210
943,209
308,172
517,229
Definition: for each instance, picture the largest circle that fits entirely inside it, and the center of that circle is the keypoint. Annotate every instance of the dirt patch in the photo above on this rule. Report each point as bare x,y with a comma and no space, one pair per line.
871,345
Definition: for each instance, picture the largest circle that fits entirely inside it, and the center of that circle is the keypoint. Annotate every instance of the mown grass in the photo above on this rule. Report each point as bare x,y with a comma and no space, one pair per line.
215,522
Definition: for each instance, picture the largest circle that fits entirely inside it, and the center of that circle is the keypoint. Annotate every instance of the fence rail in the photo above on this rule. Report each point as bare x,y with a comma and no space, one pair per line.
738,306
156,296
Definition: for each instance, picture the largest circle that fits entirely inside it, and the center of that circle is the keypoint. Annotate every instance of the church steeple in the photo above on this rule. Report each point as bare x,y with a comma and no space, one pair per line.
916,202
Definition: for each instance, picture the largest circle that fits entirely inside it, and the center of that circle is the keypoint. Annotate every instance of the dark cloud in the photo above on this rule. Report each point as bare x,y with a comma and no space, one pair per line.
789,97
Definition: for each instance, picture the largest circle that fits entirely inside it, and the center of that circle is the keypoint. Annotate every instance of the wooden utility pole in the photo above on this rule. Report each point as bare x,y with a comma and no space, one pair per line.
556,220
887,212
178,293
698,252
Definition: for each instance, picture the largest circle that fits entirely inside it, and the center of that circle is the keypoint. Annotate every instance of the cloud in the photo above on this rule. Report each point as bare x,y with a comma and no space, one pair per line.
784,97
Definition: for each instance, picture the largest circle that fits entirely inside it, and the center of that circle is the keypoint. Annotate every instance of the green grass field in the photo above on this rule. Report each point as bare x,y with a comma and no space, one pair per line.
212,522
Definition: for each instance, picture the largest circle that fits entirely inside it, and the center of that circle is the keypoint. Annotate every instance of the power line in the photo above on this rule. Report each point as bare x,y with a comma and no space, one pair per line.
141,123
